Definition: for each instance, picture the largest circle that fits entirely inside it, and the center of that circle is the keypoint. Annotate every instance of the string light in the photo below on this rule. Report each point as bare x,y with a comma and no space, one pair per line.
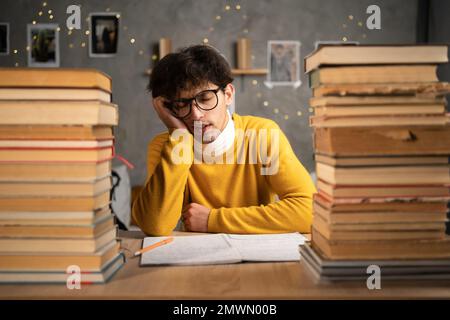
58,29
154,57
265,103
50,16
310,109
276,110
15,51
49,11
255,82
118,16
40,13
87,32
286,117
141,52
299,113
132,40
16,64
44,4
360,24
344,39
28,48
205,40
83,44
218,17
34,22
70,45
227,7
238,7
350,17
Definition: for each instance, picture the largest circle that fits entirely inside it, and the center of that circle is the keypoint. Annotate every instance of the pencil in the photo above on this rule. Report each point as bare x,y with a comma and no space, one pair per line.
153,246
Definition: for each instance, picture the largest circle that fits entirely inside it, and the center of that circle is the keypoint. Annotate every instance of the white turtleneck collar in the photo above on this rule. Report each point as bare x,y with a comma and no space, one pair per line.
224,140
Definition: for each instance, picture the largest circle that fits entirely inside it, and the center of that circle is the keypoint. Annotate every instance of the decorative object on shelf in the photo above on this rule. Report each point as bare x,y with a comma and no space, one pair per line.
4,38
165,47
104,29
283,59
244,59
43,41
244,48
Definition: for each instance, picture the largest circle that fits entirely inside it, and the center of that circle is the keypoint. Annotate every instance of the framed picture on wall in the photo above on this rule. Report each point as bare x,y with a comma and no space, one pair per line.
104,34
283,63
4,38
43,41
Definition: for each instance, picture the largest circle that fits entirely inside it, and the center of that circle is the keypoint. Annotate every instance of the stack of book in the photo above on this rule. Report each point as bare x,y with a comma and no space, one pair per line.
382,142
56,146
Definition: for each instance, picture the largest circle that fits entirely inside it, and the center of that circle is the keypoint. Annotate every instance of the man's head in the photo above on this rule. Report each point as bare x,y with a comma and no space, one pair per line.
196,86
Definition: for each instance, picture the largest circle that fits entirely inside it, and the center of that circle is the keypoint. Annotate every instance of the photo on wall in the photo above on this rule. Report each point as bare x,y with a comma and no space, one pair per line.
283,63
43,41
104,34
4,38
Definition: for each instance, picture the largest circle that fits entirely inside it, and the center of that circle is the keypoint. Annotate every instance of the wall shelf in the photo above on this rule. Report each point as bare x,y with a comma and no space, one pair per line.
250,72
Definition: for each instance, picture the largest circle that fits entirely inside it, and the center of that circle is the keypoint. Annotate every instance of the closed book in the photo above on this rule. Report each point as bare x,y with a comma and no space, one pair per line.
40,154
357,230
386,160
325,121
385,175
411,89
381,249
343,217
86,277
375,55
380,110
54,188
54,78
52,218
374,100
373,74
380,141
58,261
27,203
394,269
42,231
387,206
52,171
380,191
56,132
64,244
53,94
22,112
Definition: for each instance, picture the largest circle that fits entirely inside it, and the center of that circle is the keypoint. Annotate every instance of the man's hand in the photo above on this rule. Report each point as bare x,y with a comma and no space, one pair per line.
195,217
166,117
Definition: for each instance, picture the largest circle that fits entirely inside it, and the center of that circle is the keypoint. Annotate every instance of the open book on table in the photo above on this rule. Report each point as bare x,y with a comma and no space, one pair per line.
223,249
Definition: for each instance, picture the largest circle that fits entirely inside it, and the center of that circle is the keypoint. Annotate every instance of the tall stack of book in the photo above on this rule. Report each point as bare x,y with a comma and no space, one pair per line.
56,147
382,142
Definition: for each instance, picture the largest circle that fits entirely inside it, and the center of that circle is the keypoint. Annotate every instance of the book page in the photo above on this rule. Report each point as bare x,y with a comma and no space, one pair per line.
268,247
190,250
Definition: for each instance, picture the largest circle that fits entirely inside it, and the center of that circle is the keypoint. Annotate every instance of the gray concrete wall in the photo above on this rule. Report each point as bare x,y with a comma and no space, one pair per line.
189,22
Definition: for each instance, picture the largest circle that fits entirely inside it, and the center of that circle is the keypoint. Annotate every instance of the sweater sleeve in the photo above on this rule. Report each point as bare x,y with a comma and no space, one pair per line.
158,207
292,213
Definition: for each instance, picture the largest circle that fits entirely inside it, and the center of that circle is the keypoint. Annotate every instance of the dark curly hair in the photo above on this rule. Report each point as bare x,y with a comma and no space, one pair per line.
189,68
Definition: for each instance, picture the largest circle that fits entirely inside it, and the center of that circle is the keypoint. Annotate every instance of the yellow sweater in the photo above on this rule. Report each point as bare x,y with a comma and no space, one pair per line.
241,199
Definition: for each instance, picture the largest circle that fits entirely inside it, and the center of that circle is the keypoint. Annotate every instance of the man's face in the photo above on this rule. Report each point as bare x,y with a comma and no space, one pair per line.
212,122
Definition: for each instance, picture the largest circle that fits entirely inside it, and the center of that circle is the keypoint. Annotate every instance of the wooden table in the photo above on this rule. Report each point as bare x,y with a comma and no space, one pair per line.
285,280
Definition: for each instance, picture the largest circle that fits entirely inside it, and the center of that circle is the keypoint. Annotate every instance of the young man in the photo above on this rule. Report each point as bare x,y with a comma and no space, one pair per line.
187,176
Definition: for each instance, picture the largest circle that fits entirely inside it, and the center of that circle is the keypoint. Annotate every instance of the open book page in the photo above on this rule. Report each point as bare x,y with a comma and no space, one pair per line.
191,250
268,247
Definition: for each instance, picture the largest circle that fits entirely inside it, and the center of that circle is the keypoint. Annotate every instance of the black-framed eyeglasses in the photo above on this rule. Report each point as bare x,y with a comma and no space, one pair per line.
205,100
